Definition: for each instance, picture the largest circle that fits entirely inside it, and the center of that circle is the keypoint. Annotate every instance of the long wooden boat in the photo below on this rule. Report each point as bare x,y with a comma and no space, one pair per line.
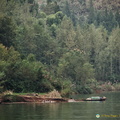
96,98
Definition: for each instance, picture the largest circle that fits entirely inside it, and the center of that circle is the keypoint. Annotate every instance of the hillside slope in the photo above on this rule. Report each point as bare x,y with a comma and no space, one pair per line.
81,7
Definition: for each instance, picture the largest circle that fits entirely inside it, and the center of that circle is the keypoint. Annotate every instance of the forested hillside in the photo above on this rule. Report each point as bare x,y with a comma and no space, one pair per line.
67,45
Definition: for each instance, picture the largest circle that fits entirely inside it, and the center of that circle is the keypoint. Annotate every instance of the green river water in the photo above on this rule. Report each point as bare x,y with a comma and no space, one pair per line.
108,110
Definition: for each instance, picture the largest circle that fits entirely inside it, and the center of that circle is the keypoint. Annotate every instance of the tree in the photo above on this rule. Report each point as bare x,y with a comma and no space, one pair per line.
108,20
8,57
65,38
3,65
91,16
73,66
117,17
97,40
66,9
49,1
7,31
51,7
27,75
114,55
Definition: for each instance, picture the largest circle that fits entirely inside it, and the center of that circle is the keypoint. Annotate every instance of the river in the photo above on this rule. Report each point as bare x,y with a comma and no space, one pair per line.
108,110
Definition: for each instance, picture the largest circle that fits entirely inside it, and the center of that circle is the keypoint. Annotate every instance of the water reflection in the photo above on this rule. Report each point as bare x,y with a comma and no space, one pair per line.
63,111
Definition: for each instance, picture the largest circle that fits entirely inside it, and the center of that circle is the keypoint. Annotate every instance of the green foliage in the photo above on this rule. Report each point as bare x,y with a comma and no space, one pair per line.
117,17
51,19
12,98
2,75
113,50
49,1
66,34
43,48
55,18
66,9
7,31
27,75
53,29
22,75
92,12
41,15
74,67
91,17
51,7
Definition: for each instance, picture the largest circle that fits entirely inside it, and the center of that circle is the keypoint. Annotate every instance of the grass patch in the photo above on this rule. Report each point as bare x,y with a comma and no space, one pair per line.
27,93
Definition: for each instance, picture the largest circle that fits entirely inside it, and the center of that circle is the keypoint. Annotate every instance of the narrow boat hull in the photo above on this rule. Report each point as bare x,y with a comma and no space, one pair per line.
96,100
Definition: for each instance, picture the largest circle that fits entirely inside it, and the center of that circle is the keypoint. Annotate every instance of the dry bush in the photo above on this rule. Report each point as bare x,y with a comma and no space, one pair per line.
54,94
8,92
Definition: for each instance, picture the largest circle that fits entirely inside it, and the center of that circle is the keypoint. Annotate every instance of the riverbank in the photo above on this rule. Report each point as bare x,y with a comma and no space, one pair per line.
51,97
107,87
54,96
26,98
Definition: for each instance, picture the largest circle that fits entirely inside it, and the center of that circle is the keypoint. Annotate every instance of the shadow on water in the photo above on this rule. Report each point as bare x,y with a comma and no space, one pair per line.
64,111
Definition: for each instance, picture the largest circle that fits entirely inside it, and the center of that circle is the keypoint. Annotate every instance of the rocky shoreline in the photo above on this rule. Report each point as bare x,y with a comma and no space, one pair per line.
51,97
35,99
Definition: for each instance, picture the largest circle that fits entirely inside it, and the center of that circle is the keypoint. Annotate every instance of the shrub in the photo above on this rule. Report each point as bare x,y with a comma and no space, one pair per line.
117,86
8,92
54,94
65,92
12,98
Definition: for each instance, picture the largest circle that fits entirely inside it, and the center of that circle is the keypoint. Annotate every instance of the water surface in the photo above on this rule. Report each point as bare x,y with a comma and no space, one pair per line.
65,111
